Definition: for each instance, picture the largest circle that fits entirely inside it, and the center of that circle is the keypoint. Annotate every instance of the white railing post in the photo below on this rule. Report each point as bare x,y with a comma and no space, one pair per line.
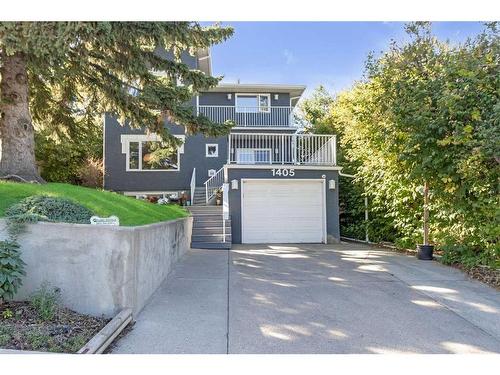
193,185
335,149
225,208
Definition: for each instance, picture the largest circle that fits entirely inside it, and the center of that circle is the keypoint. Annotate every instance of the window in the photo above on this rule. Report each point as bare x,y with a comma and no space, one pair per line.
211,150
253,156
152,155
133,160
253,103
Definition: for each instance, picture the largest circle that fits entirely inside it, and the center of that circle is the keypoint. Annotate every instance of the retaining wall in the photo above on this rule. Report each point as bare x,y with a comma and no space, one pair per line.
101,269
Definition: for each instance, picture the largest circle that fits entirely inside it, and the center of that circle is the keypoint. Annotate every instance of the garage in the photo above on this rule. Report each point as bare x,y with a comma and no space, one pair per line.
283,211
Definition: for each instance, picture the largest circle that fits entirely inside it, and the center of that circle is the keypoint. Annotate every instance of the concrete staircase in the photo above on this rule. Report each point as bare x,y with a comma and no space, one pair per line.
199,198
207,224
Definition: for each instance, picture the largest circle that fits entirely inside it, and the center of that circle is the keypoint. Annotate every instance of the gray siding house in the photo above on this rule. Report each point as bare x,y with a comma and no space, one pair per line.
266,182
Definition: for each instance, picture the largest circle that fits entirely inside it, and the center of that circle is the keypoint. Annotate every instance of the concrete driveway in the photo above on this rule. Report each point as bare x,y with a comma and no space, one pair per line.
345,298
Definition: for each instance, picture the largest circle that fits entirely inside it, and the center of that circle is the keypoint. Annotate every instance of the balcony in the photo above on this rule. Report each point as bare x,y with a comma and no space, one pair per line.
284,149
250,117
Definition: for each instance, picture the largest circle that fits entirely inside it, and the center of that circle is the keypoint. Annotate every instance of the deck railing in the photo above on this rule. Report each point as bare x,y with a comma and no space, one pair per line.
274,148
213,184
273,116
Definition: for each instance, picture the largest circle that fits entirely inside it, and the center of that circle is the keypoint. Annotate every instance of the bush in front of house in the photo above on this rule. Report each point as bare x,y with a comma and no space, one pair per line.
91,172
54,209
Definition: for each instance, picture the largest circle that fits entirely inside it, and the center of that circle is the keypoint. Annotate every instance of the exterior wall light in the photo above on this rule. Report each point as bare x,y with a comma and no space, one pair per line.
276,96
229,96
234,184
331,184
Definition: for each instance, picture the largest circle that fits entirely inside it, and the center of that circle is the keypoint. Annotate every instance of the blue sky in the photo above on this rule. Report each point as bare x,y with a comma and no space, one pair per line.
312,53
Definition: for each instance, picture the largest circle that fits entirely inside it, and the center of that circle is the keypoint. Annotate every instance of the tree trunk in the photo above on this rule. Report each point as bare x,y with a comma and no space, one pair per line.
426,213
17,136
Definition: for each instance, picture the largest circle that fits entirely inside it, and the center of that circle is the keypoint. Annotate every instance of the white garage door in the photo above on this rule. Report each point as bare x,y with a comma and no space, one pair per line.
283,211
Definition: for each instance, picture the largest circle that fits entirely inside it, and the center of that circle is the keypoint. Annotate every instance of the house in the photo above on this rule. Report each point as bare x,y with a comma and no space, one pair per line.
279,185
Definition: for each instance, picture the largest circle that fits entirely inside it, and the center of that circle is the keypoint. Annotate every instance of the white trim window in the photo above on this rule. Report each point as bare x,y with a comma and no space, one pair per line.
212,150
253,156
149,153
253,103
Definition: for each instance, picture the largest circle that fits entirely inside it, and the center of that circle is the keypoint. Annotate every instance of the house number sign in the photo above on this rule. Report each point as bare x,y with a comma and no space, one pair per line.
284,172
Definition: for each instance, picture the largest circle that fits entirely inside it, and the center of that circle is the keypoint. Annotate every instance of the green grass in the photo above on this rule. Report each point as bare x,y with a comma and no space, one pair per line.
129,210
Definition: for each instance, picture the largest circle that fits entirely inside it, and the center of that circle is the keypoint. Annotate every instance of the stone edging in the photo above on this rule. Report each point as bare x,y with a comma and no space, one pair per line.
96,344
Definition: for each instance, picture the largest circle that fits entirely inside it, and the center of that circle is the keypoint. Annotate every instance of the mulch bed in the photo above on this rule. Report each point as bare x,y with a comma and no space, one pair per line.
484,274
22,328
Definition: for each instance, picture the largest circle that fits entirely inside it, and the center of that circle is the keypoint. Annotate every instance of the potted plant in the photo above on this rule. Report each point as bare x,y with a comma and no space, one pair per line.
425,251
218,197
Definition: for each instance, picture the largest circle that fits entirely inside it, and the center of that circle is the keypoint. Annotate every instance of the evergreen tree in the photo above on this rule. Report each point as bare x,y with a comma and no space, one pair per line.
64,74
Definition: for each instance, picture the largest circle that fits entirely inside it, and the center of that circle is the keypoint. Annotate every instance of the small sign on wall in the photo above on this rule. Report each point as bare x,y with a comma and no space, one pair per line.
112,220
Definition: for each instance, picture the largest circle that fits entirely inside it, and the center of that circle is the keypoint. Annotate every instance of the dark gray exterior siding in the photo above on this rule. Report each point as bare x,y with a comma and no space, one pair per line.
332,198
220,98
117,178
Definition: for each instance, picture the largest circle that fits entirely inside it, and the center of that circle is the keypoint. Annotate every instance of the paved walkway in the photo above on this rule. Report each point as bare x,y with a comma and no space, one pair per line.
344,298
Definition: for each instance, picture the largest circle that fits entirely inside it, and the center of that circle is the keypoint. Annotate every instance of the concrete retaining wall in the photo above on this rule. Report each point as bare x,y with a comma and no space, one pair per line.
101,269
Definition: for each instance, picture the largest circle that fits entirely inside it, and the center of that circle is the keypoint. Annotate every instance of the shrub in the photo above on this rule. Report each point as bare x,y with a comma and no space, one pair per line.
91,173
5,335
74,343
45,301
51,209
7,314
38,339
61,156
11,269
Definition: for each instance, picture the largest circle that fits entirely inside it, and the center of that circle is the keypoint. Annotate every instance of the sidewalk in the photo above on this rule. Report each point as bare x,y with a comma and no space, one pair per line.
188,314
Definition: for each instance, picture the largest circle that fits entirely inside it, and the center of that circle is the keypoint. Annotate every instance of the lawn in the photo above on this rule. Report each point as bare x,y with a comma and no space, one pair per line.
129,210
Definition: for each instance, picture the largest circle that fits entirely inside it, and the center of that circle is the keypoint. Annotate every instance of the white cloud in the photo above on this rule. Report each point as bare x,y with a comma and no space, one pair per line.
289,57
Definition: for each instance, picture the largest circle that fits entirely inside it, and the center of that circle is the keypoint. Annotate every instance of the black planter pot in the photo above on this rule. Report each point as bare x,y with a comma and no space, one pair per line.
425,252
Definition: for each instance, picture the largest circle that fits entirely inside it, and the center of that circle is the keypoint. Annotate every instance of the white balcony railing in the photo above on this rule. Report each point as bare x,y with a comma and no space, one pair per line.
249,116
273,148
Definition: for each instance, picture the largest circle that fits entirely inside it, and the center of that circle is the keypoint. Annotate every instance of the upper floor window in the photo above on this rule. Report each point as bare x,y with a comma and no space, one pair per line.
253,103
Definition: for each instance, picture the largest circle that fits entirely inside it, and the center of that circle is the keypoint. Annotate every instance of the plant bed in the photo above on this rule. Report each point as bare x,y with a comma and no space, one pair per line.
484,274
24,327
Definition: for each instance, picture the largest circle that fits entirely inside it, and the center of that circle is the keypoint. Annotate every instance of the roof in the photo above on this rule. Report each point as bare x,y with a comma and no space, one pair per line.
205,65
